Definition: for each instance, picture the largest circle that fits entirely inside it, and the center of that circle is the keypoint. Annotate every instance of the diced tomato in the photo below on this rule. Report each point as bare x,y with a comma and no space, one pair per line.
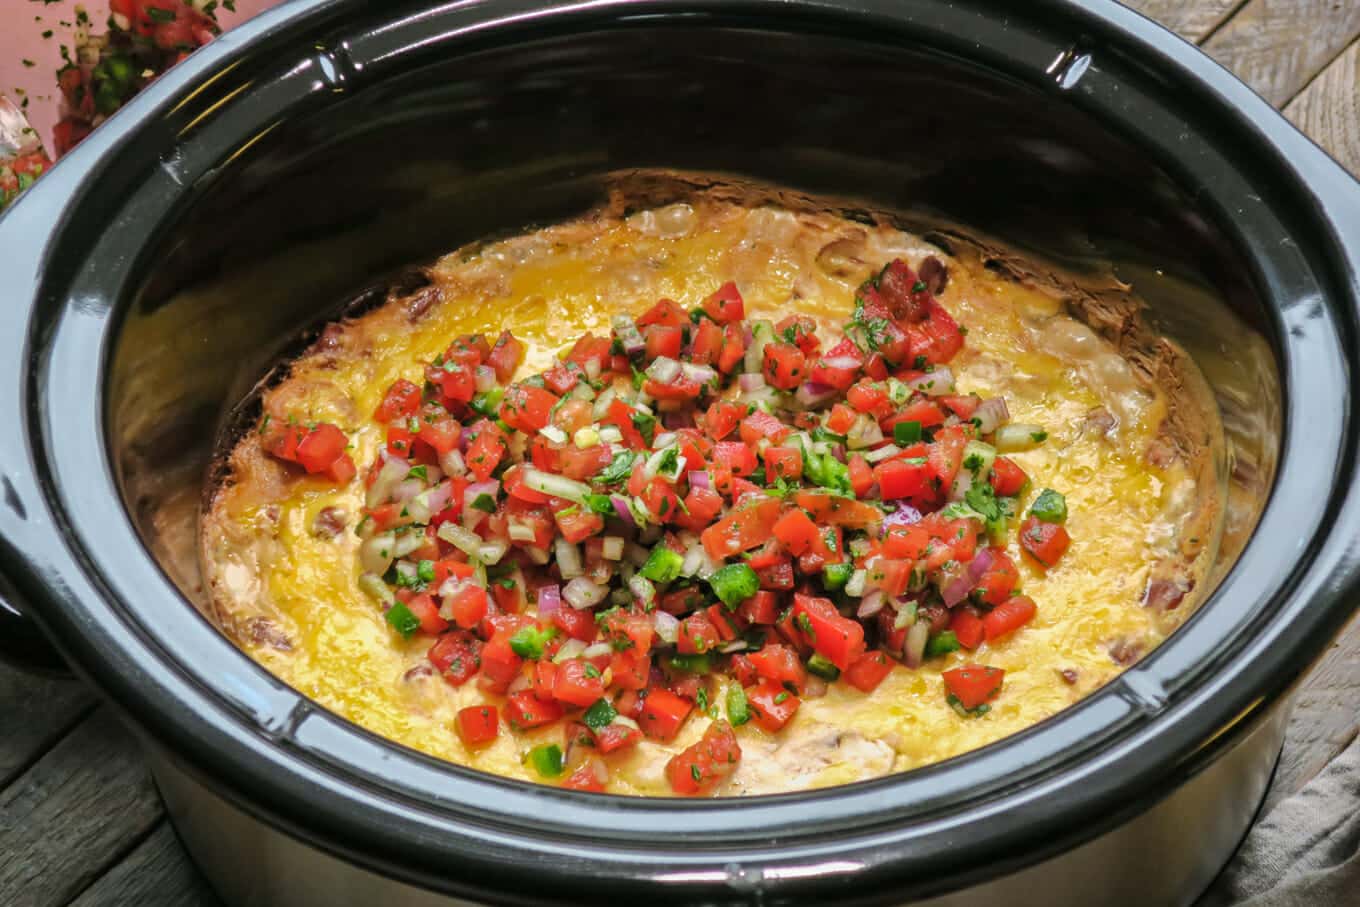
722,417
633,628
838,638
736,456
962,406
839,367
578,682
321,447
946,453
439,430
576,624
478,725
906,478
1007,478
771,705
967,626
614,737
342,470
400,440
869,397
426,611
505,356
905,542
513,483
525,711
707,344
660,499
926,412
456,656
450,566
741,530
697,635
587,777
560,379
892,576
1009,616
725,305
833,510
841,418
725,623
783,463
1046,542
620,414
801,331
761,608
590,349
778,575
527,408
663,713
733,349
702,506
897,287
757,426
681,388
973,685
867,672
702,767
995,584
401,400
796,531
784,365
486,450
861,476
533,517
467,605
664,341
936,339
456,381
578,524
630,669
780,664
500,664
667,312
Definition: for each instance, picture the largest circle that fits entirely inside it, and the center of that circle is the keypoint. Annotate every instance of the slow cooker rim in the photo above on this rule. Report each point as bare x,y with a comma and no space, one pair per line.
55,500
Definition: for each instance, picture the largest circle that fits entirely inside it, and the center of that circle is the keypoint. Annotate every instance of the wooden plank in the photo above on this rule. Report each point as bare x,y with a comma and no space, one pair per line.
1191,19
156,874
37,712
1278,46
73,814
1328,110
1325,718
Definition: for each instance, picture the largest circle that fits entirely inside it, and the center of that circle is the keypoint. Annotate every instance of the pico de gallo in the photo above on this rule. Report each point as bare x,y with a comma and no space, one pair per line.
144,39
697,493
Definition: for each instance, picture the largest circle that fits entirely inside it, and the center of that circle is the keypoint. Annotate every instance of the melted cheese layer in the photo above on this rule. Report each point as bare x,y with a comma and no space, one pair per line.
263,557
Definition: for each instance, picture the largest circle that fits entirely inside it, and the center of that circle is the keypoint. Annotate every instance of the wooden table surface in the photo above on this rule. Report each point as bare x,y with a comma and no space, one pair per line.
81,823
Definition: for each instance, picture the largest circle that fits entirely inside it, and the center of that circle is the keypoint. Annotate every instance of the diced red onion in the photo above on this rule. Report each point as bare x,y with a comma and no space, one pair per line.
914,650
699,479
568,558
991,414
837,452
935,383
549,600
667,626
376,554
681,418
814,687
393,471
905,515
882,453
629,337
624,512
438,497
642,588
453,463
749,381
864,433
871,604
981,563
663,370
842,362
700,373
955,584
812,395
581,593
486,378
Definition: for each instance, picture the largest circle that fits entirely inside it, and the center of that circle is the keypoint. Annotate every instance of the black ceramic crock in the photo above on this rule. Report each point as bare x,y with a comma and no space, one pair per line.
159,270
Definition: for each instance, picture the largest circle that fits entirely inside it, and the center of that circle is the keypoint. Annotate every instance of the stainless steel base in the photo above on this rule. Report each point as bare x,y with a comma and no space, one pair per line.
1165,856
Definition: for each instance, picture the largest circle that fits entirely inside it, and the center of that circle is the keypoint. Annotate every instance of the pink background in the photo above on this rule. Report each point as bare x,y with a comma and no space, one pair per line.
22,23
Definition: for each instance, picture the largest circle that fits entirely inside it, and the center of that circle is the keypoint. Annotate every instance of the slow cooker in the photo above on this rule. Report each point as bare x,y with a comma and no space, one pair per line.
306,158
